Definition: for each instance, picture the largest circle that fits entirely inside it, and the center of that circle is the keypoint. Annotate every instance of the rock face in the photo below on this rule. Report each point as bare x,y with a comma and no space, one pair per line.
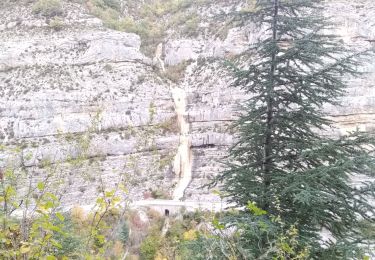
87,101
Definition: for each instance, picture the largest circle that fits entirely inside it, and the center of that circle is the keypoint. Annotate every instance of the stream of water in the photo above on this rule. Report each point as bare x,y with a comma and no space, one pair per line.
182,165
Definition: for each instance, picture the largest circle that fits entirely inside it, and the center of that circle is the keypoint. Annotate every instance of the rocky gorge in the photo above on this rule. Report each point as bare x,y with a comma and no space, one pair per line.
90,105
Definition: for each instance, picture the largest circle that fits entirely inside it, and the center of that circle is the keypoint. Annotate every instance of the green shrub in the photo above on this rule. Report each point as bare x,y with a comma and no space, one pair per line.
108,68
191,26
162,7
124,233
176,72
152,19
71,244
56,24
150,246
114,4
48,8
197,249
108,4
170,125
176,230
109,17
160,194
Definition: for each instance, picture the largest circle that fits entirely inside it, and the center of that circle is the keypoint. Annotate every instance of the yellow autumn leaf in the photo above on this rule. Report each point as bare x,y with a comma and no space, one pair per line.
190,235
159,256
25,249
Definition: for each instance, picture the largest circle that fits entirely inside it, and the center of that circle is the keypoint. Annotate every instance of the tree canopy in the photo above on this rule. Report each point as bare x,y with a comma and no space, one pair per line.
286,160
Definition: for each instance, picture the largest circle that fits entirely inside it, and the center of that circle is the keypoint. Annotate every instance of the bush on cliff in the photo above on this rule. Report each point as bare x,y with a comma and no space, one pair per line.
48,8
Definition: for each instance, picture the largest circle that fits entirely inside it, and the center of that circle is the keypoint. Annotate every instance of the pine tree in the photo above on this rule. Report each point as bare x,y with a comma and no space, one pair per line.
285,160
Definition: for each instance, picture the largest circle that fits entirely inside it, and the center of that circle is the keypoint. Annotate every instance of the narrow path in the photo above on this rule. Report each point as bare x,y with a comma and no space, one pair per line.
189,205
166,227
182,165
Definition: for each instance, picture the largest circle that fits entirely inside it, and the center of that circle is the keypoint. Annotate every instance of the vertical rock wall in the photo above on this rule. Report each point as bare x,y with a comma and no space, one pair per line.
86,100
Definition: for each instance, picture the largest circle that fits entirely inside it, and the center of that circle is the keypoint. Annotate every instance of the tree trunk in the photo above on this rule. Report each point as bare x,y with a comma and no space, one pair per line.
267,150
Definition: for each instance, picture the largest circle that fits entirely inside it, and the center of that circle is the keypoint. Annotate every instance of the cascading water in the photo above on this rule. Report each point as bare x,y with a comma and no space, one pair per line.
183,161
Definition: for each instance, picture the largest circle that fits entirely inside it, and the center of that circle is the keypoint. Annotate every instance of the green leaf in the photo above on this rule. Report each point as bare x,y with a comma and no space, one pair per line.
10,191
216,192
56,244
109,194
217,224
60,216
40,186
56,229
51,196
255,210
286,248
48,205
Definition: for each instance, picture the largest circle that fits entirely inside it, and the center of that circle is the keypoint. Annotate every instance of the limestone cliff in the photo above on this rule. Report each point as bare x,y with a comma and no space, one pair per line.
86,99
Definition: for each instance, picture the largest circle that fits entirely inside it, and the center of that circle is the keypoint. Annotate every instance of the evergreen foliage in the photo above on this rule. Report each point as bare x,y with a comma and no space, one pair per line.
285,160
124,233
